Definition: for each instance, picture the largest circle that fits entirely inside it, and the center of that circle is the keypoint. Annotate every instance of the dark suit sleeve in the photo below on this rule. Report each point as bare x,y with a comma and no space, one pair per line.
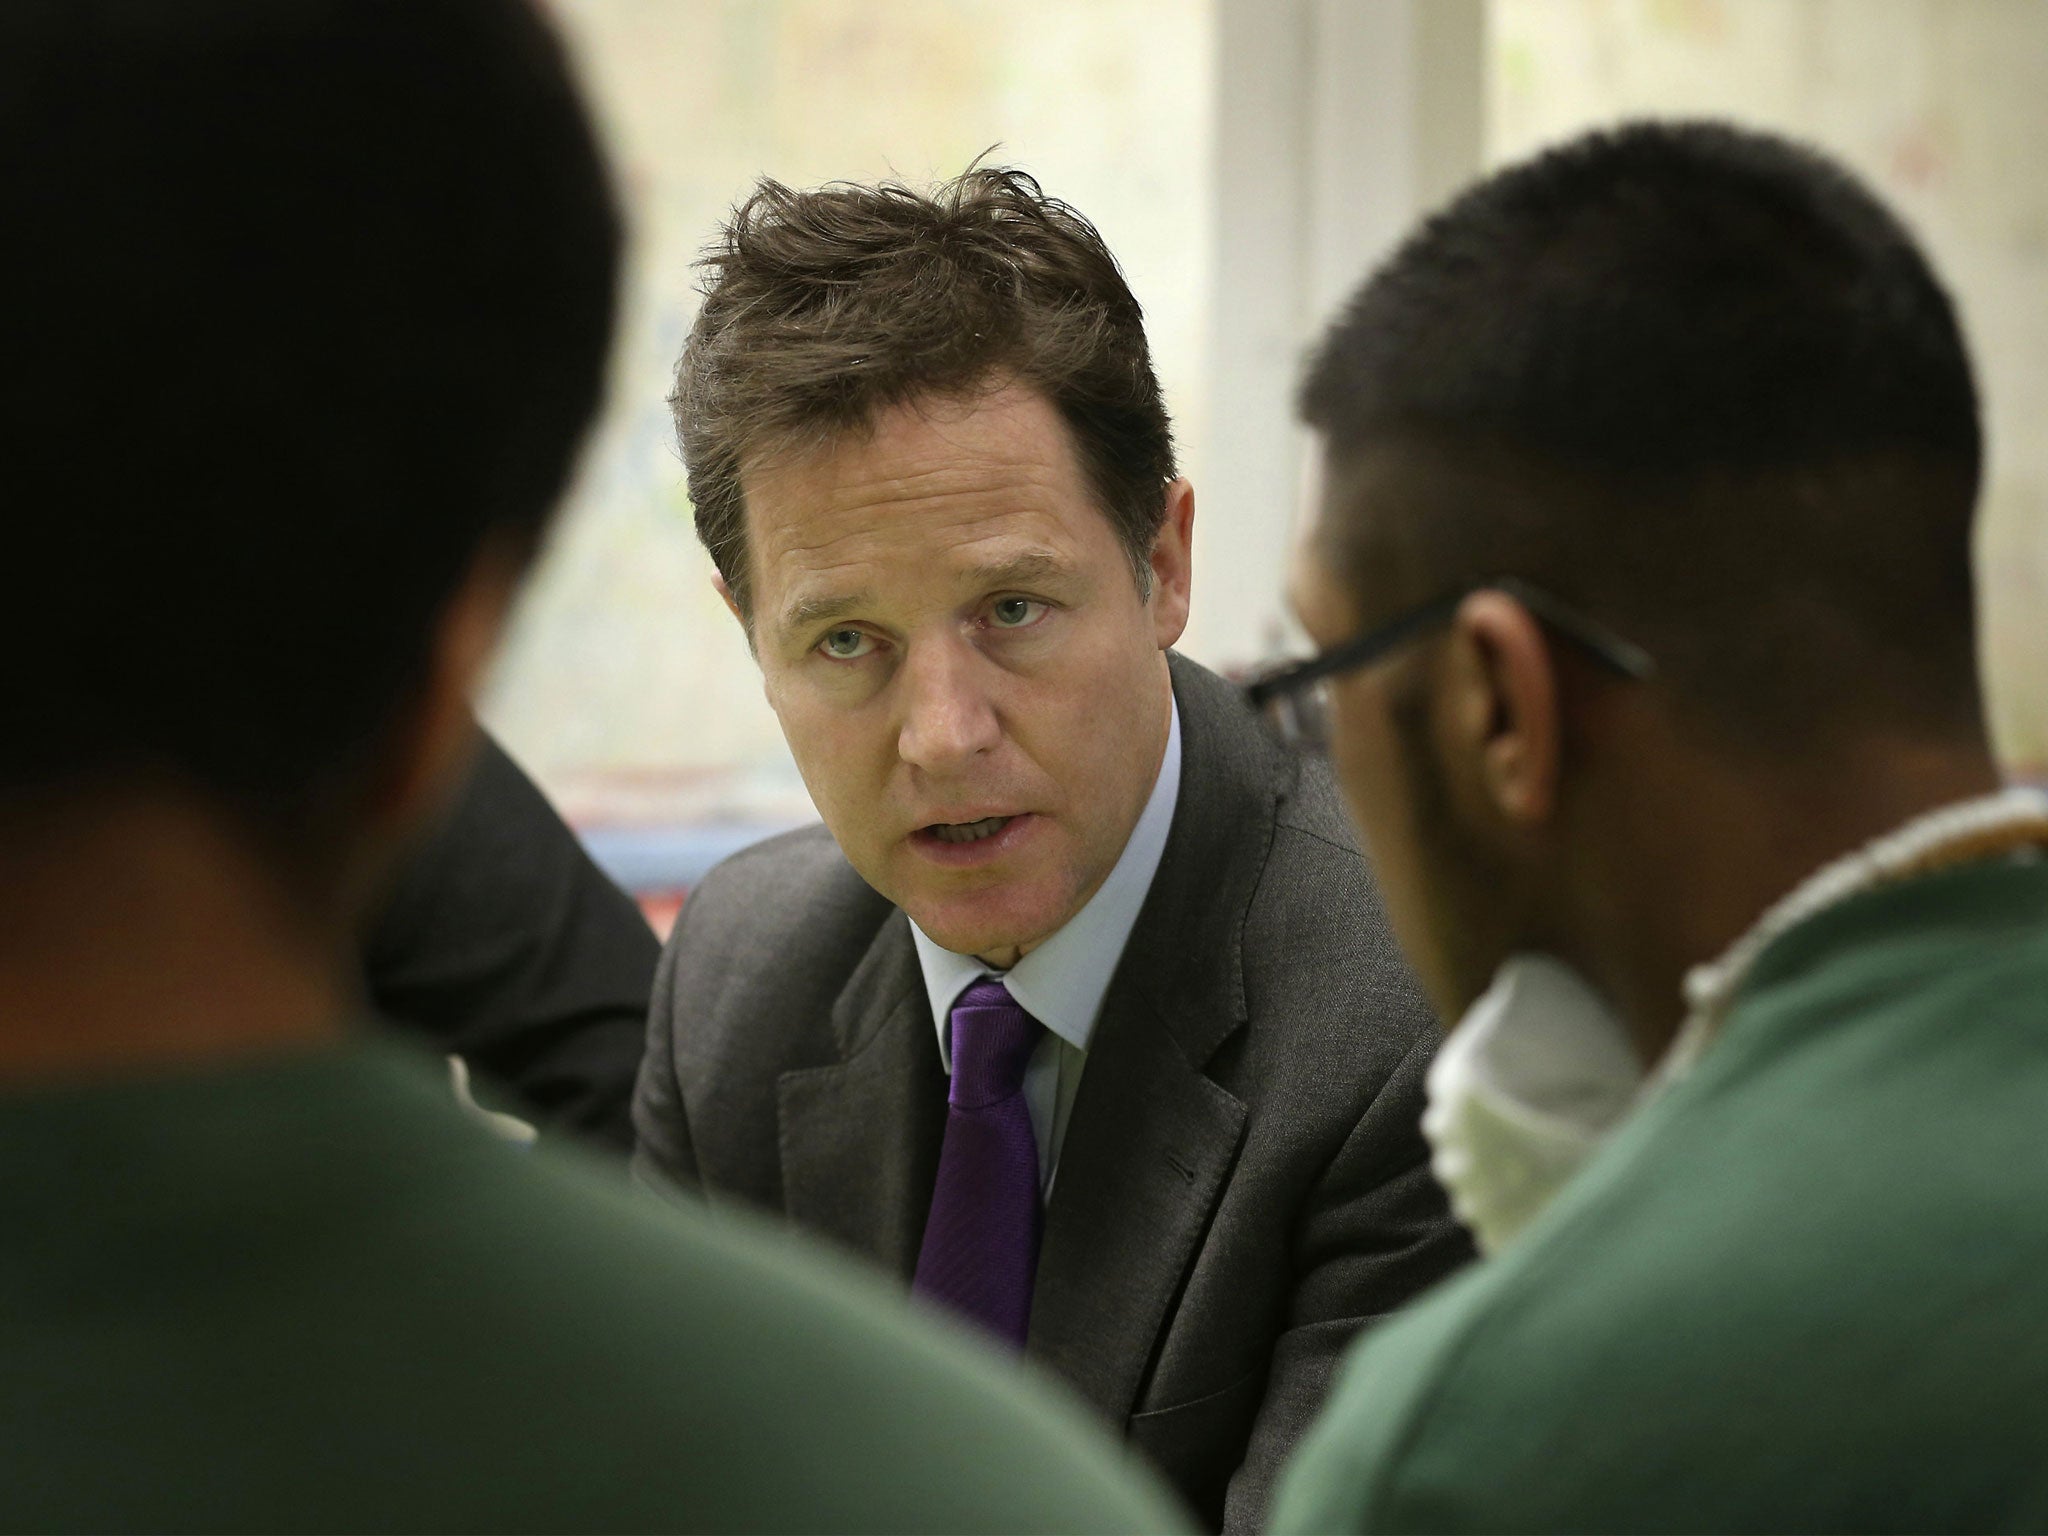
662,1154
503,943
1375,1234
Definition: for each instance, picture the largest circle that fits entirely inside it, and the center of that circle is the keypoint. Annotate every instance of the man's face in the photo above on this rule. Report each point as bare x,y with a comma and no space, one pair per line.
1431,874
971,683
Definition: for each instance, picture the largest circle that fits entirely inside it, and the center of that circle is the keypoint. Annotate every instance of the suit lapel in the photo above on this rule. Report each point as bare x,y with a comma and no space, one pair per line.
1152,1140
860,1138
1146,1155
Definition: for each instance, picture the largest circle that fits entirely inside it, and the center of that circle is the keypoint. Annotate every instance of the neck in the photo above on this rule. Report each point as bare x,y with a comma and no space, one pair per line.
1684,864
139,932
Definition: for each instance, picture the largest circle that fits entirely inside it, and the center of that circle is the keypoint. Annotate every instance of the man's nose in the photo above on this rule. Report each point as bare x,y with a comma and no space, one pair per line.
948,716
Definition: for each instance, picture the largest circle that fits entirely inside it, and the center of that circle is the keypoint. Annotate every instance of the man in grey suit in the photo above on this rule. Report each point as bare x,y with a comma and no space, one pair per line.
1079,1012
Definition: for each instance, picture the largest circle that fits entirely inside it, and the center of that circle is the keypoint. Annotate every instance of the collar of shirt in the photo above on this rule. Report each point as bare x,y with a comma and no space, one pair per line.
1061,983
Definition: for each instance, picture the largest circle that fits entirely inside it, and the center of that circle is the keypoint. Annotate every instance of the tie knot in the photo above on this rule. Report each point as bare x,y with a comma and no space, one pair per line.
992,1042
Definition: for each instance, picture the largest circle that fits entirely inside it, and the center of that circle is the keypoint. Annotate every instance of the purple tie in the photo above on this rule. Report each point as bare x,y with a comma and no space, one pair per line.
981,1239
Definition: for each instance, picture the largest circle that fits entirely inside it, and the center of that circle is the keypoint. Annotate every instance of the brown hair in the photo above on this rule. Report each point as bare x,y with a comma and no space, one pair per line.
824,307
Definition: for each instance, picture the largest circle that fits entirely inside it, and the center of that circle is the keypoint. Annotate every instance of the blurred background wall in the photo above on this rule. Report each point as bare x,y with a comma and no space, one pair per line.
1248,160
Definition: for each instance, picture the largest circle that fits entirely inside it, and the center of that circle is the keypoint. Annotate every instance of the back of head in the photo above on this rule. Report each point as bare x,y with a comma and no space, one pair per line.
1699,382
824,307
309,302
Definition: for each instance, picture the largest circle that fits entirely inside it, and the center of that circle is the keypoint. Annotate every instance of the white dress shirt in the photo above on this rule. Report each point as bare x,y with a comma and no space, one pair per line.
1061,983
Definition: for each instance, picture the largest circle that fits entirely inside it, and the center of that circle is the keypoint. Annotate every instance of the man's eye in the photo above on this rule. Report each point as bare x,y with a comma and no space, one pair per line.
846,644
1015,612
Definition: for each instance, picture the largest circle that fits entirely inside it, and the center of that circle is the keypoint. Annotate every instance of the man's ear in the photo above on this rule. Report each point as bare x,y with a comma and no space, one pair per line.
1173,563
1505,707
732,606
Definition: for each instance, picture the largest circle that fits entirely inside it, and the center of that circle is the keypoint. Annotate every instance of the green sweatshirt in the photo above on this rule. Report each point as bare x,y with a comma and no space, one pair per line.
305,1293
1806,1289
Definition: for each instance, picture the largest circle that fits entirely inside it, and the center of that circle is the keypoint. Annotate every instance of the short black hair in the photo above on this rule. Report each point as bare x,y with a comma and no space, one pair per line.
1721,400
307,304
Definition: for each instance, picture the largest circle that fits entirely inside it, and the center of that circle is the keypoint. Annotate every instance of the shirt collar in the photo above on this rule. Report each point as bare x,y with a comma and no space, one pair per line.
1061,983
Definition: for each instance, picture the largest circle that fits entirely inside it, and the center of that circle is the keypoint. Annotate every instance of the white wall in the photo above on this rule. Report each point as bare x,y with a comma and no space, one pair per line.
1338,122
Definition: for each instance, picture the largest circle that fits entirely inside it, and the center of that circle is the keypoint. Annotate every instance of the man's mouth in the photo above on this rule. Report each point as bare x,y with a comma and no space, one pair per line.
967,831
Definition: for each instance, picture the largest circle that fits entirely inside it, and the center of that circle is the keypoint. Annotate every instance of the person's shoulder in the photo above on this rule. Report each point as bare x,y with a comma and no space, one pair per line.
1342,1473
1248,761
1752,1262
767,1384
791,901
1321,916
1324,977
801,869
1507,1365
393,1319
1238,774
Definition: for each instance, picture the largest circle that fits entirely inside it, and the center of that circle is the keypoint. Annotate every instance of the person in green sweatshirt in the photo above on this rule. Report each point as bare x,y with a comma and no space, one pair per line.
1642,568
308,310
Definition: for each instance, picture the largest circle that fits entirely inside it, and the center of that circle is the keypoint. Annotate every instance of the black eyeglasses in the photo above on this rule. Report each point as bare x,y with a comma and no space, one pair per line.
1293,697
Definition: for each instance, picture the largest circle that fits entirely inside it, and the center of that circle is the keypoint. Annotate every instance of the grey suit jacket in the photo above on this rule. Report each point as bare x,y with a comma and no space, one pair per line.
1243,1182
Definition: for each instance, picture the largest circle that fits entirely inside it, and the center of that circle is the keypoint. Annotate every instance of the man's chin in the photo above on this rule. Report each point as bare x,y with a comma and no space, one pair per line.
996,930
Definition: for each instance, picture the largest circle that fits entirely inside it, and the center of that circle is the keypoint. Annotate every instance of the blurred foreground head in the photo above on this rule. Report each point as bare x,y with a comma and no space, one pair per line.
307,311
1694,390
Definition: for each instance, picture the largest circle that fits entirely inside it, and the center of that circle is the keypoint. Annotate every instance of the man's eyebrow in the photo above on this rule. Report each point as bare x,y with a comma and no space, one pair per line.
1032,568
806,612
1028,569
